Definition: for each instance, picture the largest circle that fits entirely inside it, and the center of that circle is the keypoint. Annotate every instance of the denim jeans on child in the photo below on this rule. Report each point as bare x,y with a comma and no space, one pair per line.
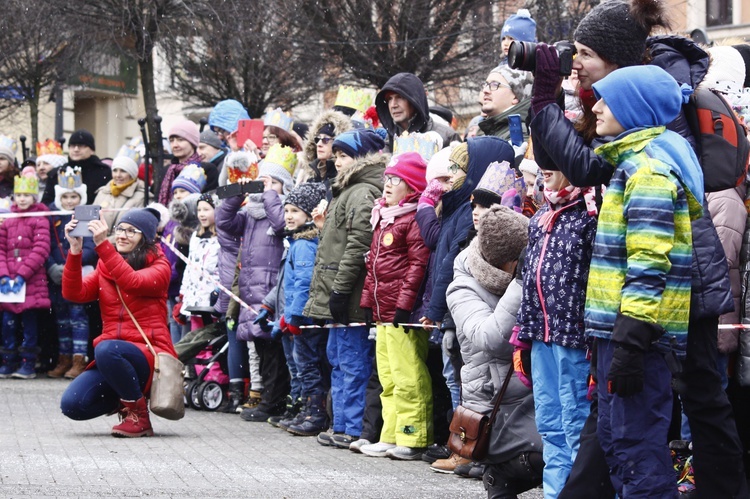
313,370
72,324
350,354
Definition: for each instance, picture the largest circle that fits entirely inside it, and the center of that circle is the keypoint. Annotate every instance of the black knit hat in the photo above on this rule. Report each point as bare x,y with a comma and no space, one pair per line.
82,138
744,50
307,196
613,32
143,219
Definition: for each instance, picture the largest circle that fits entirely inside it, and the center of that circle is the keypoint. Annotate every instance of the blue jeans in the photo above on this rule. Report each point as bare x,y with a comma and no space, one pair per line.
236,356
121,373
350,354
29,321
313,369
72,324
289,346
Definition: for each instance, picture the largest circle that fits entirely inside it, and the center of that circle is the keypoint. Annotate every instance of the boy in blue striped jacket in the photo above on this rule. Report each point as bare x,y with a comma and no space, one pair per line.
638,294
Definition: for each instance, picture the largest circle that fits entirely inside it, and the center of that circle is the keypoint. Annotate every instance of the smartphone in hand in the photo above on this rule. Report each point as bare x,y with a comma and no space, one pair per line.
84,214
516,130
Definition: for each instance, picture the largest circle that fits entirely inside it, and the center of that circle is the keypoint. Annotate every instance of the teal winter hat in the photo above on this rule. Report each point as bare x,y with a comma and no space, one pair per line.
227,114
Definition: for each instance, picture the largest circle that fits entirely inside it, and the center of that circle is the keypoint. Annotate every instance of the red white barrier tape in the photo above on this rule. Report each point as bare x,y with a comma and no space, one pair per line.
358,324
734,326
51,213
185,259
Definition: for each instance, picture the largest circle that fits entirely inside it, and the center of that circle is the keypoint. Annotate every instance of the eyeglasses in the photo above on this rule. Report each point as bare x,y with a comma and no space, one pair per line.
220,131
494,85
392,179
270,138
324,140
453,168
130,232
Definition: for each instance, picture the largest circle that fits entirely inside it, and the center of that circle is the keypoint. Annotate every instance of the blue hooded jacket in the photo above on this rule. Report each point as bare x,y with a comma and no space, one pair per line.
457,218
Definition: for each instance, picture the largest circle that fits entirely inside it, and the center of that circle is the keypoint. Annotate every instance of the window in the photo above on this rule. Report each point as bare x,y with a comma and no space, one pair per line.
718,12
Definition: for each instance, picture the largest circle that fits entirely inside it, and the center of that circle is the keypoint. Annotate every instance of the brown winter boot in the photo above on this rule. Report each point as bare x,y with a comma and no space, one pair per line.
135,422
79,365
64,362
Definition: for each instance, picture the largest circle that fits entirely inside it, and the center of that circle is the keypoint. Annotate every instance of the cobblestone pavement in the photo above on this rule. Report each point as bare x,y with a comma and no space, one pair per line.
43,454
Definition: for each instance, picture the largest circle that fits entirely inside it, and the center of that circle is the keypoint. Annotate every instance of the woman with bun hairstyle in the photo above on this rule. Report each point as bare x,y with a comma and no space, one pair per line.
615,34
132,273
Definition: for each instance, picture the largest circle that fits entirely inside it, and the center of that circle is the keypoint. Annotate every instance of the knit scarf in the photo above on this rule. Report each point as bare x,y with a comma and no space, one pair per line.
388,214
491,278
563,199
165,192
116,190
254,206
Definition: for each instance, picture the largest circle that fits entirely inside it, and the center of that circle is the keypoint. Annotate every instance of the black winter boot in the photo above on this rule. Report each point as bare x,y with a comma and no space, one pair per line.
236,396
316,420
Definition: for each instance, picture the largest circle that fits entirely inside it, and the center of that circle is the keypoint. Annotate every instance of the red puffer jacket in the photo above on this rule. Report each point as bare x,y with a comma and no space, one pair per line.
145,292
396,267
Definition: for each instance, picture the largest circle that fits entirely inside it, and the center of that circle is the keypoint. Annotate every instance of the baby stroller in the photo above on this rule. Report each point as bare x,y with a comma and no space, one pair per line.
204,353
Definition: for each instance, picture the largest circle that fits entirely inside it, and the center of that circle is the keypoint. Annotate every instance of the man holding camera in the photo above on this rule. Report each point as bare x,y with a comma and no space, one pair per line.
506,91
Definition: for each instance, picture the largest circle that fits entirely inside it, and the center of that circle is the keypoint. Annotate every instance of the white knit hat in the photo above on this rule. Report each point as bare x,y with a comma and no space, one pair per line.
127,165
726,73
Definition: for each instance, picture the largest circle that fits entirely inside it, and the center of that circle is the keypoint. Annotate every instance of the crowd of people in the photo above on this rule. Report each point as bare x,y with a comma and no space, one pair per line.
375,270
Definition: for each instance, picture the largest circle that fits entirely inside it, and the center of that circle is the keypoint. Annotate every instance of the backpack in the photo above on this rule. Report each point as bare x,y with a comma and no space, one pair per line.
721,140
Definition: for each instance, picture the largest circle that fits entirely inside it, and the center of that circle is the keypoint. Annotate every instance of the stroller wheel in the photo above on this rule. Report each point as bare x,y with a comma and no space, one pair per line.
192,394
210,395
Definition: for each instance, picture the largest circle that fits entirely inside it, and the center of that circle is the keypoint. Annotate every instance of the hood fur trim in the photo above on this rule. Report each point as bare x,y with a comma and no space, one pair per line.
309,234
341,123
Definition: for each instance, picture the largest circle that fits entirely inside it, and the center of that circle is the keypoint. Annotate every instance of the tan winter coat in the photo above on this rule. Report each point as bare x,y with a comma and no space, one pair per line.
132,197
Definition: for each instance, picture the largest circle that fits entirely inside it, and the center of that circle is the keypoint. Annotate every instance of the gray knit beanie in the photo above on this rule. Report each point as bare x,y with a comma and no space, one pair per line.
521,82
502,234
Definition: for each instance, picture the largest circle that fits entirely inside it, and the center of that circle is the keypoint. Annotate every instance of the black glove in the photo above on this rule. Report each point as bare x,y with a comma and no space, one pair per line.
626,372
402,317
262,319
213,297
338,304
367,311
546,77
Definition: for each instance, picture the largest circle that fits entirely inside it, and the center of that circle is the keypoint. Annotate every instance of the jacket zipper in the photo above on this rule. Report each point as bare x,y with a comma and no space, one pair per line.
539,286
375,278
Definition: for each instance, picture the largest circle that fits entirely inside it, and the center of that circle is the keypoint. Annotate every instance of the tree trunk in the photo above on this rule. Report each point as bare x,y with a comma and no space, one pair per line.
146,66
34,115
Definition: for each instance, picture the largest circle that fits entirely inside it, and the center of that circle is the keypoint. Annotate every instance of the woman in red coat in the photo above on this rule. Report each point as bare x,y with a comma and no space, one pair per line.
118,380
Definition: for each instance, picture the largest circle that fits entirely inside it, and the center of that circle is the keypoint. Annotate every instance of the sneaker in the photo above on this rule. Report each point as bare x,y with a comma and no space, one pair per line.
403,453
379,449
325,438
448,465
435,452
6,371
471,469
356,446
342,440
253,400
26,371
686,481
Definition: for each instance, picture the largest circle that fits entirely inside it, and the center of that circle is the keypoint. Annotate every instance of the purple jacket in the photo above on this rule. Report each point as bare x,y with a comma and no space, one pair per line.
261,249
24,248
229,248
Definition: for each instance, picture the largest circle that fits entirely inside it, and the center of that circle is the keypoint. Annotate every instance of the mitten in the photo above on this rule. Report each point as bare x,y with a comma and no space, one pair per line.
213,297
55,272
432,194
449,340
402,317
5,284
546,77
275,331
519,151
521,357
338,304
17,284
294,325
176,315
367,311
262,319
626,372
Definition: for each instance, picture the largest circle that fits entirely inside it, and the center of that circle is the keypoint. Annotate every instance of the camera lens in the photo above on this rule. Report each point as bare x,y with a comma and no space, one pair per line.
522,55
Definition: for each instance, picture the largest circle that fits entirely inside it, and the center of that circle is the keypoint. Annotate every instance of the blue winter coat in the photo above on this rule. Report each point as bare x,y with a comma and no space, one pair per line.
555,275
557,146
261,250
298,271
456,218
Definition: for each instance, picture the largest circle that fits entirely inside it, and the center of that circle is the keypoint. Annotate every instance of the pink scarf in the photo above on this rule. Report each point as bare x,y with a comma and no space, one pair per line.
563,199
388,214
165,192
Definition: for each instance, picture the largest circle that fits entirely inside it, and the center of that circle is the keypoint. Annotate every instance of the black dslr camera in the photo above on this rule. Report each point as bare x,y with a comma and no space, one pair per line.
522,55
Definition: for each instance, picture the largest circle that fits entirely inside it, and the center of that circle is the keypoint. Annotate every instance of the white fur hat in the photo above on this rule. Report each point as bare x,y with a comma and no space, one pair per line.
69,180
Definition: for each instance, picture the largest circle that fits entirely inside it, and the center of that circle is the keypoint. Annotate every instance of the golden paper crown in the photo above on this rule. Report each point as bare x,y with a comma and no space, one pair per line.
49,146
282,156
241,164
27,183
70,178
354,98
415,142
277,117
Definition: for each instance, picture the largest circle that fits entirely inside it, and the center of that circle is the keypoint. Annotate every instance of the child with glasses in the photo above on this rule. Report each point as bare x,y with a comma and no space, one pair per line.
396,267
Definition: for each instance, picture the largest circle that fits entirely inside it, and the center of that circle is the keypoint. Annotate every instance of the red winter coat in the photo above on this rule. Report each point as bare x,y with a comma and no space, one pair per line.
24,248
145,292
395,268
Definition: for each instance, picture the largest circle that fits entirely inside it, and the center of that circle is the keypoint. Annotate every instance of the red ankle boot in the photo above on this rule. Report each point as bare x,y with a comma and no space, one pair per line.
135,421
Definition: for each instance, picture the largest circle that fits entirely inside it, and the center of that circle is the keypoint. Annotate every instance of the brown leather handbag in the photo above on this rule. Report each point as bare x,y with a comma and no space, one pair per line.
470,430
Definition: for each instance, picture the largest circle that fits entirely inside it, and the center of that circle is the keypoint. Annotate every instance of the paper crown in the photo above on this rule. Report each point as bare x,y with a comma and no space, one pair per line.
6,141
283,156
353,98
5,205
241,164
70,178
27,183
500,178
422,143
49,146
276,117
133,150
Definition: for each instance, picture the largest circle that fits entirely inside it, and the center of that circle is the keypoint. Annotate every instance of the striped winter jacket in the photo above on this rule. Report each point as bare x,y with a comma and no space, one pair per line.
641,264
